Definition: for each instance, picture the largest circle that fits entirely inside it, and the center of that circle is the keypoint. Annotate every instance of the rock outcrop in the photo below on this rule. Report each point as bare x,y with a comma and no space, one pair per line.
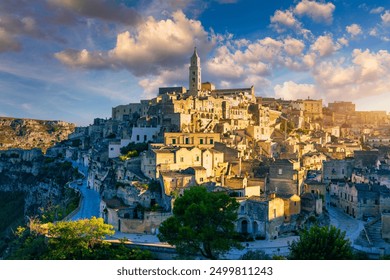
42,180
29,134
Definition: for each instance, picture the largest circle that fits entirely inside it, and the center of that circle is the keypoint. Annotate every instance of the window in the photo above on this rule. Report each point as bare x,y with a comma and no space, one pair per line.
280,171
173,141
187,140
137,137
181,159
145,138
201,179
197,158
274,213
211,141
201,141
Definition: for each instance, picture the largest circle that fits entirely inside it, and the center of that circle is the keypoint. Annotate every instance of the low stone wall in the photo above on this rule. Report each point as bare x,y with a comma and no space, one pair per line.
149,224
386,225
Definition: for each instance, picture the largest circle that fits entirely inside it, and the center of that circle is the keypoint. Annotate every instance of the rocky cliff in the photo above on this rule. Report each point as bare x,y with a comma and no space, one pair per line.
29,134
42,180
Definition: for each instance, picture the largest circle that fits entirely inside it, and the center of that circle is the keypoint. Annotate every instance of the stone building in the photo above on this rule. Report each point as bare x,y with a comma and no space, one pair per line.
311,202
337,169
261,217
285,177
360,200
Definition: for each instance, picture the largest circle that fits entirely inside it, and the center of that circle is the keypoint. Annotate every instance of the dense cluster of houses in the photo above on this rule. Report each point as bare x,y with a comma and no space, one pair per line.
283,160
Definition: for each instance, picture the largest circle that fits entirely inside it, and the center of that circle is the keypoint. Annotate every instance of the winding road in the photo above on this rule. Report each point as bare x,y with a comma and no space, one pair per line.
90,199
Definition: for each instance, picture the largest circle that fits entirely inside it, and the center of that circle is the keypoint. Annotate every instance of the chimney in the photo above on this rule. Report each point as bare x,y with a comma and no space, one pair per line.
272,195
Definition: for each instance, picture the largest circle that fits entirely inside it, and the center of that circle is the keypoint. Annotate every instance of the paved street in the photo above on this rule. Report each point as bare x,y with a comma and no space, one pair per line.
90,199
90,202
351,226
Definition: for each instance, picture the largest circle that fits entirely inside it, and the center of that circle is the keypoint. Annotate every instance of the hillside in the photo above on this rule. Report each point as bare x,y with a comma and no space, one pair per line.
29,134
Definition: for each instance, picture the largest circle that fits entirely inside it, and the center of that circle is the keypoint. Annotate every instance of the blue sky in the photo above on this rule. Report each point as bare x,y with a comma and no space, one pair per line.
74,60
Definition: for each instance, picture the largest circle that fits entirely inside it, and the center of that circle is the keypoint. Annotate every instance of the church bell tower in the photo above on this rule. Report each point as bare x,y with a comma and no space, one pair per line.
195,74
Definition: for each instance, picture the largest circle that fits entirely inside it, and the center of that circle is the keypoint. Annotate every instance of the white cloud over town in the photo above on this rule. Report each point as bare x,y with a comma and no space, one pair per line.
154,46
354,29
325,45
317,11
298,49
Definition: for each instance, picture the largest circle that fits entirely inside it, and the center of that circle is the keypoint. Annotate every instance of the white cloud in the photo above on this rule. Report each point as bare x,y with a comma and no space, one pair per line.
373,32
367,75
293,46
354,29
377,10
309,60
83,59
343,41
224,65
282,19
319,12
291,91
325,46
153,47
386,17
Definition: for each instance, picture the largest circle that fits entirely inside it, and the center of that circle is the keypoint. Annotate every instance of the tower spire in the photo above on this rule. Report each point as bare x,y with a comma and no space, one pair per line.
195,73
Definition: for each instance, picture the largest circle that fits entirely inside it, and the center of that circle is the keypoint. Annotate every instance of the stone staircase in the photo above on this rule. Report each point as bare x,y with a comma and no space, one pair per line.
371,235
374,232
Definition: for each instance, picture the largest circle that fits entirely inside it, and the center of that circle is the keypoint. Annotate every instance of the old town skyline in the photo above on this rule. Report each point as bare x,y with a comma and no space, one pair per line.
71,60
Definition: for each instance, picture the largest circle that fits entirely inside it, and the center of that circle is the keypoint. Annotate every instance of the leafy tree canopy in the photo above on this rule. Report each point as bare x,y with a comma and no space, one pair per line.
71,240
321,243
202,222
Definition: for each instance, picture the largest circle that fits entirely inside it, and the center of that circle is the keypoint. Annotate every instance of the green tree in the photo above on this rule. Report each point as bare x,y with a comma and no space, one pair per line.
77,239
321,243
202,222
71,240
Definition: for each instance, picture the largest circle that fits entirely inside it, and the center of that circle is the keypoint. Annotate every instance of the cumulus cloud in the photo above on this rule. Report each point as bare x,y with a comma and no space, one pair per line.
153,47
82,59
386,17
224,65
325,46
367,75
319,12
377,10
343,41
150,84
373,32
293,46
291,91
103,9
354,29
281,21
